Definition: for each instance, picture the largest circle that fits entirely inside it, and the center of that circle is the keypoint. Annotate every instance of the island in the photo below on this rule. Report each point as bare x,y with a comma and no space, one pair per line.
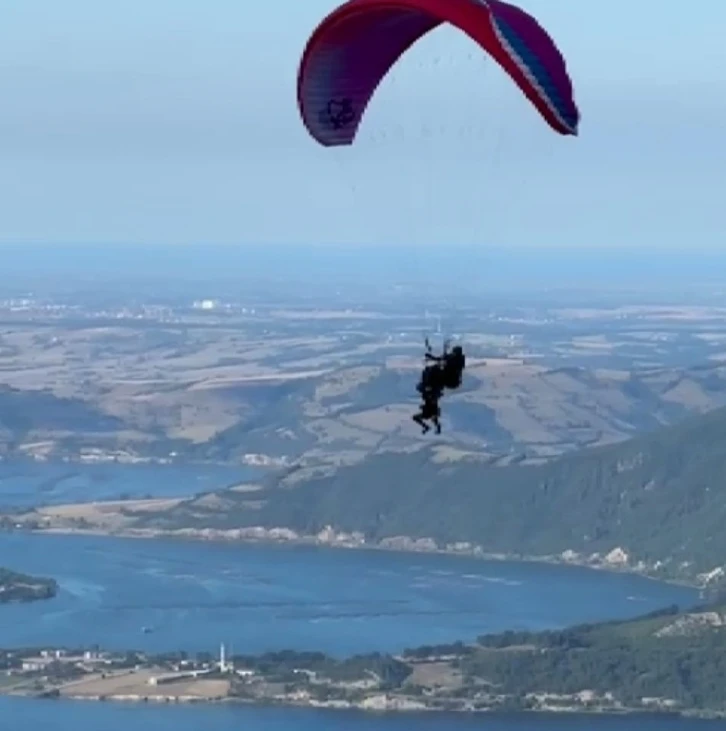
17,587
669,662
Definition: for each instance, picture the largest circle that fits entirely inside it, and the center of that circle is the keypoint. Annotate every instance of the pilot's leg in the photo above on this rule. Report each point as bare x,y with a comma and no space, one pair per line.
435,415
419,419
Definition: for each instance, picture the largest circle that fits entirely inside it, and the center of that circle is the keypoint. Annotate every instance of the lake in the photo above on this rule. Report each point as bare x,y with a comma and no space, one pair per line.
195,595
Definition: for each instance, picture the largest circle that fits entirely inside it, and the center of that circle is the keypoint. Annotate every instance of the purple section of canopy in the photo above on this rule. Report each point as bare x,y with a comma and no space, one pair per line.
350,61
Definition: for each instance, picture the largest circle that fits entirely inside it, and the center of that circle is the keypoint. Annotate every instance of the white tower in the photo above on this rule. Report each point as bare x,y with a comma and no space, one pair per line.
222,659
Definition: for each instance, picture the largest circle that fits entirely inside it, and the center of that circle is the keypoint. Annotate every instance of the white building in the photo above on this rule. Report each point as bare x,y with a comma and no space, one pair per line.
205,304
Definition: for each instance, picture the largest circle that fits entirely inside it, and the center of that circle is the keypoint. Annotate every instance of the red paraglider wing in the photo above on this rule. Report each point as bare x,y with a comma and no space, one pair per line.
351,51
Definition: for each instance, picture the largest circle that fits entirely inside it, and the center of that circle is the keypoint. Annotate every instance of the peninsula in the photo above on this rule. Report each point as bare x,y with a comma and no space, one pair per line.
663,662
17,587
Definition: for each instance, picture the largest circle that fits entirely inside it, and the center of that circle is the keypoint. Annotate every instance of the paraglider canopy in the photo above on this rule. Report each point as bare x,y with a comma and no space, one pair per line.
351,51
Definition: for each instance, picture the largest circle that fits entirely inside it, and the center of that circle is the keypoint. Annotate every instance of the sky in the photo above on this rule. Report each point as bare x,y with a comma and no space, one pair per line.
175,121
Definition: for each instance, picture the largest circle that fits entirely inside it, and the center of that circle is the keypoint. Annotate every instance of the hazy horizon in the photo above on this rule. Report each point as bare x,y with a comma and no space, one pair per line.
435,272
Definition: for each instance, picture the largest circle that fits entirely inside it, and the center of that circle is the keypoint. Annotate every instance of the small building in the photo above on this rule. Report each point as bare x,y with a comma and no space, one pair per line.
33,664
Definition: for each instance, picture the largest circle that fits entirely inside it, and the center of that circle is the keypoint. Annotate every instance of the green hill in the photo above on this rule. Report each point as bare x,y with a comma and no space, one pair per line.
41,413
667,661
661,498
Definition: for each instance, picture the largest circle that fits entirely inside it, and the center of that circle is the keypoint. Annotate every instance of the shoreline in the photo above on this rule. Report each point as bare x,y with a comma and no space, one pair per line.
547,711
392,705
281,537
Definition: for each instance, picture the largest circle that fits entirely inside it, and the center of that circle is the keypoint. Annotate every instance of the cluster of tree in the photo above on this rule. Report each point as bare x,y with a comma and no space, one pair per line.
286,665
580,636
629,659
63,671
9,660
690,676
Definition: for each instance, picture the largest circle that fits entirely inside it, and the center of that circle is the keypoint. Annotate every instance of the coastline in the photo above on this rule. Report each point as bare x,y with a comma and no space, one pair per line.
493,711
391,703
398,544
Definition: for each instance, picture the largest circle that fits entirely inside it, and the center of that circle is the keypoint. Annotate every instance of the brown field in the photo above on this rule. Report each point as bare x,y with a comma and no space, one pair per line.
108,516
137,684
331,396
435,674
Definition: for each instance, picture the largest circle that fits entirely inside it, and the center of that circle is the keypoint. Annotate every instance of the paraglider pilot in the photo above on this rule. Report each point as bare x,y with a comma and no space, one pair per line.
445,372
431,388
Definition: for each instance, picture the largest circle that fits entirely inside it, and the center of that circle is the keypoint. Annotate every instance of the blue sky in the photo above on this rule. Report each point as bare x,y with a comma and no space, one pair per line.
175,121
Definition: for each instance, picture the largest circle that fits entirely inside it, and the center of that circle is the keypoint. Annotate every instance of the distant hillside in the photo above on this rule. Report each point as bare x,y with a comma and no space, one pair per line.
40,414
505,408
508,409
660,497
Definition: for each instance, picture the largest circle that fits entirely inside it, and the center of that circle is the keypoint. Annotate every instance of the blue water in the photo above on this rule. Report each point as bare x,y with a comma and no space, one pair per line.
24,483
92,716
195,595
